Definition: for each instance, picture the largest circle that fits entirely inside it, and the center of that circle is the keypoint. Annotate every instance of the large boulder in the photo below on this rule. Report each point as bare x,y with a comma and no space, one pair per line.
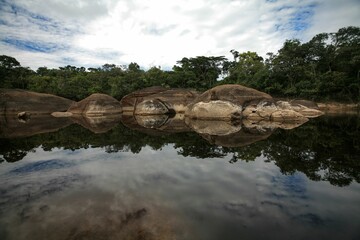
282,111
95,105
306,108
176,100
151,107
158,100
223,102
15,101
129,102
214,110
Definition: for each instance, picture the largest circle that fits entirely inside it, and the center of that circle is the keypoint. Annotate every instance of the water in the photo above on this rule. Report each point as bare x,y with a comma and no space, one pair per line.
143,183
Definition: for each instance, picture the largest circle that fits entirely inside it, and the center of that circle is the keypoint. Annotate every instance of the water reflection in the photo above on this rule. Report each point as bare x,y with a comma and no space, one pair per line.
324,149
171,178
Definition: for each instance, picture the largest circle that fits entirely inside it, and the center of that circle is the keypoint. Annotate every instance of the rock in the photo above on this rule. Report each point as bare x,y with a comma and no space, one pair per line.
230,97
156,100
305,103
234,93
61,114
286,115
129,102
23,116
151,107
214,110
14,101
95,105
311,110
259,110
270,111
176,100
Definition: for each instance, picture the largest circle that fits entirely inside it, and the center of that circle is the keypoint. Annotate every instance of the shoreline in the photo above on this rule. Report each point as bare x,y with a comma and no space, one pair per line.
339,108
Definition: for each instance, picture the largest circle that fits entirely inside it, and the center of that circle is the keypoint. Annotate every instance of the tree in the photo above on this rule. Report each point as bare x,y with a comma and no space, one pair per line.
247,69
206,71
12,75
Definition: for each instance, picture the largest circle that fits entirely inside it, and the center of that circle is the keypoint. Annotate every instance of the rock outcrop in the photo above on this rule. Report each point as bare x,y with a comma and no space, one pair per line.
223,102
129,102
157,100
221,115
230,102
14,101
271,111
96,105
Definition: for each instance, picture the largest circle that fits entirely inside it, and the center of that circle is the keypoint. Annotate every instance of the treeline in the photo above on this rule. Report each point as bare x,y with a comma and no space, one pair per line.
325,68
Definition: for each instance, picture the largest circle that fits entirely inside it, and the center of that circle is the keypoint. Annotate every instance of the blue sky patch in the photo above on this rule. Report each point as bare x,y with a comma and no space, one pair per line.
43,166
32,45
302,18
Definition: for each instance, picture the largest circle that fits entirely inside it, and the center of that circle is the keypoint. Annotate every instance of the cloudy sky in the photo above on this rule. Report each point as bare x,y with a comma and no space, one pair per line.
91,33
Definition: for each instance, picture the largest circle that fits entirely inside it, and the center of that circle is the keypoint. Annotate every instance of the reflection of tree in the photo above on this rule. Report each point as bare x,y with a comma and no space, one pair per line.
325,149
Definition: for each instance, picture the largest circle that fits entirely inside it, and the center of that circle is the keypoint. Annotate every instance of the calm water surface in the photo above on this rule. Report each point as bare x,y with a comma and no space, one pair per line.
134,184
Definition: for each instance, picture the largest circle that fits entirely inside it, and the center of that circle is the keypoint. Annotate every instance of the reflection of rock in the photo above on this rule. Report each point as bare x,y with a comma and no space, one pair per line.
219,128
241,138
151,121
265,124
14,101
96,104
158,100
11,126
227,134
61,114
156,124
97,124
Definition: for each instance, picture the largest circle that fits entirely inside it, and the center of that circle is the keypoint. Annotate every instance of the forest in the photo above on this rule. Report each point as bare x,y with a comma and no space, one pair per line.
326,68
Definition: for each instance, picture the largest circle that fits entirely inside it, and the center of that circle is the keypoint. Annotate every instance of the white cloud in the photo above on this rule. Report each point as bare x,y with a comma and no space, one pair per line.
158,32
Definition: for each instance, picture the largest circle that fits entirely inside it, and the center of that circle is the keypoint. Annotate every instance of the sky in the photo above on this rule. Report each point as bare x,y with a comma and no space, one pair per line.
90,33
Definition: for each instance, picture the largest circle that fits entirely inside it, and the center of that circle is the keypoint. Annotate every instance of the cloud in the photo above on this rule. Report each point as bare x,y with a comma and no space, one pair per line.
153,33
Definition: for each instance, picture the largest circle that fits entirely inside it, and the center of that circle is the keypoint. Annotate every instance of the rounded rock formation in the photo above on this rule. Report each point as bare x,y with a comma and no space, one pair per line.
96,104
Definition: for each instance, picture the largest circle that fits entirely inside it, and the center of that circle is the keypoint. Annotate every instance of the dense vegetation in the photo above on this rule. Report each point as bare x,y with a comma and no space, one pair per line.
325,68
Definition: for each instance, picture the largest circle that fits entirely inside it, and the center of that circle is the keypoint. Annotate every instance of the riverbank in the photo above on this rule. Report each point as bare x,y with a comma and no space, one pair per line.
336,108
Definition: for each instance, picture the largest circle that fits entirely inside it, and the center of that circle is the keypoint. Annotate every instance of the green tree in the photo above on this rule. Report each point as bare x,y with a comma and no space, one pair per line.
203,71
